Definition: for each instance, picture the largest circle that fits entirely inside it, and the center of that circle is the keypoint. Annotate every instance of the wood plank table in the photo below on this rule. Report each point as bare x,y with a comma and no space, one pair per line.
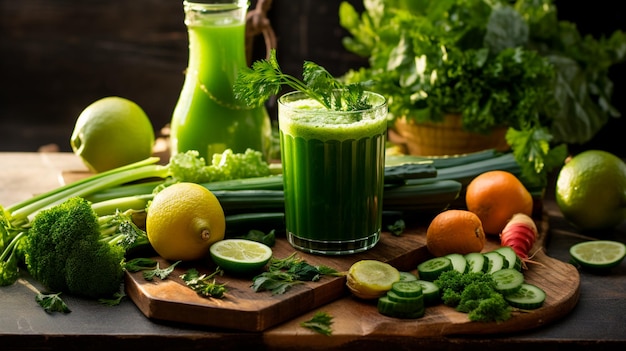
597,321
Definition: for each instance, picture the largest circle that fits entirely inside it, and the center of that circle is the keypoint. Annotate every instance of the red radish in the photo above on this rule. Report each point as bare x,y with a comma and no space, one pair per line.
520,234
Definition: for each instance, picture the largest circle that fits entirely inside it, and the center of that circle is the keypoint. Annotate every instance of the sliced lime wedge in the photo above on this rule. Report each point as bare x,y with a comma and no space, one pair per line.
240,255
598,253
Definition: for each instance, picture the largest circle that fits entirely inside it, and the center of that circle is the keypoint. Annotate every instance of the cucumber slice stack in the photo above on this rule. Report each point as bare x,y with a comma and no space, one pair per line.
405,300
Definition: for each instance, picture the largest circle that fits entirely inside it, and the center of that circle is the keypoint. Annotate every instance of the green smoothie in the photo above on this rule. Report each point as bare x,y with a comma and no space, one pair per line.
207,118
333,171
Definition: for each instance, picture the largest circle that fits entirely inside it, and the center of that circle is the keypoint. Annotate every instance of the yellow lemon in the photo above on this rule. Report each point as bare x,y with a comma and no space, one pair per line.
183,221
591,190
112,132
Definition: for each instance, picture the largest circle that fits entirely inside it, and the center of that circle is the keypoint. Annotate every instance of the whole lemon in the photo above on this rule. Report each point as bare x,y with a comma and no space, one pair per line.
183,220
591,190
112,132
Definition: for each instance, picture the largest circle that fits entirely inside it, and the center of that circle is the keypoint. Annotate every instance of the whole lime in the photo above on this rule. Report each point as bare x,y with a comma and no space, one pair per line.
591,190
112,132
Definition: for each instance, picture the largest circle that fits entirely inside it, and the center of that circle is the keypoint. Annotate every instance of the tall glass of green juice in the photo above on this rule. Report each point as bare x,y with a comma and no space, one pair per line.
333,172
207,117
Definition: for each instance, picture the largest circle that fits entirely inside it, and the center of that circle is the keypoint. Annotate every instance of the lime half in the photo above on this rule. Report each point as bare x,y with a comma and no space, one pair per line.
240,255
598,253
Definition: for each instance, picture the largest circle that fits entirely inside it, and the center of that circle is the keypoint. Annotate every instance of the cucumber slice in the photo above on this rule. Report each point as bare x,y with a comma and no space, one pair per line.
495,261
476,262
391,308
513,261
430,291
432,268
528,297
458,262
407,276
508,280
408,300
409,288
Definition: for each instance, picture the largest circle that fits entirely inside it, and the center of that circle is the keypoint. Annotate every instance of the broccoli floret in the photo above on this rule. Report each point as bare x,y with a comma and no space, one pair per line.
494,308
65,254
474,294
190,167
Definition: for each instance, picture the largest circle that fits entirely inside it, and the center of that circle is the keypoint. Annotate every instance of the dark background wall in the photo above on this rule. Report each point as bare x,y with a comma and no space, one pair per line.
56,57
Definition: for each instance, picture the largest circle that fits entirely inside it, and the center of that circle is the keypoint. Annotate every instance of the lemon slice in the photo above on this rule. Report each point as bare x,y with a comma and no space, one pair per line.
370,279
240,255
598,253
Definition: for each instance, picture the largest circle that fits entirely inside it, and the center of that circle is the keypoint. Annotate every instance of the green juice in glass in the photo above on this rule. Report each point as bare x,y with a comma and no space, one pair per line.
333,172
207,118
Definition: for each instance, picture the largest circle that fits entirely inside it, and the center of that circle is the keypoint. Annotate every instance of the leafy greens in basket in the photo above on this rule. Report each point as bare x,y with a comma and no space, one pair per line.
498,63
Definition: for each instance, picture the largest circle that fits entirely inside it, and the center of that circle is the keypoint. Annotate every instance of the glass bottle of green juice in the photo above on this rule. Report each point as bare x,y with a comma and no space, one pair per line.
207,118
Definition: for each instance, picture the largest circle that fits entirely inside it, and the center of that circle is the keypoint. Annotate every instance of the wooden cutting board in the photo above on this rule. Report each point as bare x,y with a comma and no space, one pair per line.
244,309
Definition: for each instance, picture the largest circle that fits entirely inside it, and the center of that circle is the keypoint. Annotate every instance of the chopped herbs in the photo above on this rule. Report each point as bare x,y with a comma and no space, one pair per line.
205,285
265,79
284,273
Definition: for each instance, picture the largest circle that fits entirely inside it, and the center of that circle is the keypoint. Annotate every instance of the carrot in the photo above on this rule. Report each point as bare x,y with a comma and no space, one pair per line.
520,233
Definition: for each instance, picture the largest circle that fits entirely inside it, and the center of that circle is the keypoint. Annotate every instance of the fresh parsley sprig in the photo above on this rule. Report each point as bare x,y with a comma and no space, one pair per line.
265,79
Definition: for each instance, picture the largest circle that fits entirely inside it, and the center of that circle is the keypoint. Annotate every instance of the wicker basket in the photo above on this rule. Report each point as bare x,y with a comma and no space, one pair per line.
446,138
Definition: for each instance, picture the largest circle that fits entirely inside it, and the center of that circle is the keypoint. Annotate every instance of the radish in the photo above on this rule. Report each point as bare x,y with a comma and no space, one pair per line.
520,233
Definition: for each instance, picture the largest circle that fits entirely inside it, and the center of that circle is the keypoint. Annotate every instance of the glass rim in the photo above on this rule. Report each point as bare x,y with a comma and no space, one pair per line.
293,96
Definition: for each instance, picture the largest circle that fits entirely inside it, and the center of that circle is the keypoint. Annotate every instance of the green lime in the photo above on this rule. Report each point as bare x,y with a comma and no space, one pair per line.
591,190
112,132
598,253
240,255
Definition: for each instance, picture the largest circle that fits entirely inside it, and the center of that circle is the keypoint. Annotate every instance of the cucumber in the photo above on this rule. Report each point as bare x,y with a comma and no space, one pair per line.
408,289
431,269
508,280
407,276
495,261
513,261
458,262
431,195
403,299
476,262
430,291
399,173
391,308
528,297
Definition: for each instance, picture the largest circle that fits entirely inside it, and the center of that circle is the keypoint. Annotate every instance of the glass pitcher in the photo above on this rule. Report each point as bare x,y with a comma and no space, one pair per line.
207,118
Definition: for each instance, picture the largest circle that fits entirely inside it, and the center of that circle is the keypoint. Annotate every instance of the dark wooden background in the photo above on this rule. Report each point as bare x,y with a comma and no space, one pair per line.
56,57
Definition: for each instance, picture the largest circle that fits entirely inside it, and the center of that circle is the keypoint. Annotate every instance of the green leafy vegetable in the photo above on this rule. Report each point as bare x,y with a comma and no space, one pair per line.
321,322
497,63
265,79
474,294
52,303
284,273
268,239
115,300
140,264
161,273
205,285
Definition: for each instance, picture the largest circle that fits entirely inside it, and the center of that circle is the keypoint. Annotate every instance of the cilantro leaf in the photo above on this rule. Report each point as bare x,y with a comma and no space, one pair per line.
52,303
159,272
321,322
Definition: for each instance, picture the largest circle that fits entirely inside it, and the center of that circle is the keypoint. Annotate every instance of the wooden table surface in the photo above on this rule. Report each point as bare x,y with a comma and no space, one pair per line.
598,321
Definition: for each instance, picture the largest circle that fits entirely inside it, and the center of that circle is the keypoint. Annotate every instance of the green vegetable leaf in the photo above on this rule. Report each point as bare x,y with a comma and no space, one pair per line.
397,228
52,303
159,272
115,300
140,264
254,86
268,239
205,285
284,273
321,322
